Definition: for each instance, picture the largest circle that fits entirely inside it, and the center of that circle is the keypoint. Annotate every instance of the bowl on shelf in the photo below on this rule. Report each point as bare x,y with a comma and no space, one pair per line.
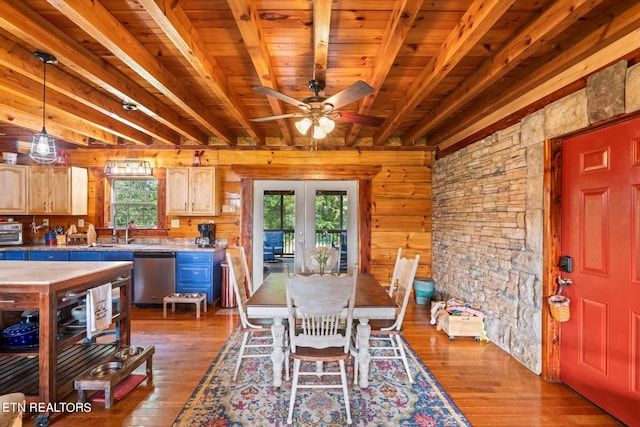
22,334
79,313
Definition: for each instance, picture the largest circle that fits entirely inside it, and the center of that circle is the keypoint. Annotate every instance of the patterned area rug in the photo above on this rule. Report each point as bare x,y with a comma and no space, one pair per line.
253,401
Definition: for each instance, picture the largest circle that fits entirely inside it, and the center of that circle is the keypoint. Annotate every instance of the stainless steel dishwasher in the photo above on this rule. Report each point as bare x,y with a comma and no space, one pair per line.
154,276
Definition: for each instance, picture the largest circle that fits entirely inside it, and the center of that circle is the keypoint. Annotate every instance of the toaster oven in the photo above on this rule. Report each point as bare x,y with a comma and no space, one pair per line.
10,233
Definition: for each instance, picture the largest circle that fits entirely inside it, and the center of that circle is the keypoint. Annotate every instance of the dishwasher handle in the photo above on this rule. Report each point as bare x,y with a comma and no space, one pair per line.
154,254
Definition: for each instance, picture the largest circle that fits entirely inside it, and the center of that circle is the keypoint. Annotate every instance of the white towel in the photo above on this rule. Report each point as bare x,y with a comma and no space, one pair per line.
99,309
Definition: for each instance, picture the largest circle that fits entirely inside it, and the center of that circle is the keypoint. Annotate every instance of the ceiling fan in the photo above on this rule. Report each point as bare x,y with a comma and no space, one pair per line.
321,112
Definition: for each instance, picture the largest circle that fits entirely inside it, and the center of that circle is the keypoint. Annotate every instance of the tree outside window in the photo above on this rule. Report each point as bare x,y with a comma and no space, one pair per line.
137,198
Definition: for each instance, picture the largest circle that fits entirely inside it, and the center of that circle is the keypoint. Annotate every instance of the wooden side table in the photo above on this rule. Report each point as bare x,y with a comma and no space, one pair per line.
185,298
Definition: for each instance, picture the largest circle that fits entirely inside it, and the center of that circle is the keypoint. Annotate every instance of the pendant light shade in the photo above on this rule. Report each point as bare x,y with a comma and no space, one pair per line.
43,148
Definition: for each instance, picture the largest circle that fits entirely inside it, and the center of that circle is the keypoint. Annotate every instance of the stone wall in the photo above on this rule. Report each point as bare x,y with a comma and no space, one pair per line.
488,212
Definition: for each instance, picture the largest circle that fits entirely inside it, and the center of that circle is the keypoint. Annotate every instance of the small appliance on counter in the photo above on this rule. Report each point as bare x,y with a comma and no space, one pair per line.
206,238
10,233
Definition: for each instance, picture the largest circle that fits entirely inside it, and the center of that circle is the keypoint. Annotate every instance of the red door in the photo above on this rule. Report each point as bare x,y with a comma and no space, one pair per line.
600,344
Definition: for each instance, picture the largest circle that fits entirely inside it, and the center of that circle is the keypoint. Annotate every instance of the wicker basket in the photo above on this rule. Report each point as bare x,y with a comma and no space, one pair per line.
559,307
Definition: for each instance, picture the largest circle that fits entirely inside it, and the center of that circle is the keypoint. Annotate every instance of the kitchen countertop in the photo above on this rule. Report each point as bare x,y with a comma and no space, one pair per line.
134,247
49,273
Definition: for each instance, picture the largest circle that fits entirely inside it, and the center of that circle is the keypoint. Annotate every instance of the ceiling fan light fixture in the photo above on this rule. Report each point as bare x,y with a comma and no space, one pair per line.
318,133
43,147
326,124
304,125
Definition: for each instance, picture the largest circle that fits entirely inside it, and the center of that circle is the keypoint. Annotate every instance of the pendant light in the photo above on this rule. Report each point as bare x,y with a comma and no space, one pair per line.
43,148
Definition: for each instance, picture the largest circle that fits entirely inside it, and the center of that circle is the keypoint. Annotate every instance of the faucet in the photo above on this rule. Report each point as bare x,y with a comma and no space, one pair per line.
114,236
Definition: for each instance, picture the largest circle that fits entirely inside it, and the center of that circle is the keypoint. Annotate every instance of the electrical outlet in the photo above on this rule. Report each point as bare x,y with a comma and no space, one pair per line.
175,223
81,223
45,222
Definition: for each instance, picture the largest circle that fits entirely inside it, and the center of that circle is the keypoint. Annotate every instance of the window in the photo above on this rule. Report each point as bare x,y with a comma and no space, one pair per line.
137,199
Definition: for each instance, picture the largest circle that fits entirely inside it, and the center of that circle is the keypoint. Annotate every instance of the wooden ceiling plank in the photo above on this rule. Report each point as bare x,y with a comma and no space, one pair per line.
98,23
84,96
321,30
400,22
37,31
585,55
19,111
477,20
22,86
551,22
173,21
246,16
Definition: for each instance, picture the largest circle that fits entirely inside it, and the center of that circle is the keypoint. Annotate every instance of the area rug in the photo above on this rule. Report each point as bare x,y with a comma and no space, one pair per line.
252,400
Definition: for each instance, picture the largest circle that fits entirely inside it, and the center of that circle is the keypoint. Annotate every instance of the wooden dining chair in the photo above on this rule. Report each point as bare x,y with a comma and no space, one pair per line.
321,308
254,331
385,341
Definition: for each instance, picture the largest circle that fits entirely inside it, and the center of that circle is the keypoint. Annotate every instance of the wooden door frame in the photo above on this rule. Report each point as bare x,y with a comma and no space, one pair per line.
551,253
363,174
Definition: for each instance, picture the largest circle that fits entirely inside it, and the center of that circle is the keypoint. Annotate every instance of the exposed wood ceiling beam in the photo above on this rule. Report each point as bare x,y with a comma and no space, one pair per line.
246,16
477,20
83,95
23,87
170,17
539,32
321,29
400,22
551,74
59,124
96,21
31,27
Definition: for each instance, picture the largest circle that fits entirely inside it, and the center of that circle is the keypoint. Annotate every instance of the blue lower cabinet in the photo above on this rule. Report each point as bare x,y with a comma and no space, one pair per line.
49,255
199,272
84,256
15,256
117,255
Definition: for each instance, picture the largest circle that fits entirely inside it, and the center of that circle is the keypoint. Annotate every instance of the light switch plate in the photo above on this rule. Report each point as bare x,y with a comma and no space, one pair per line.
175,223
228,208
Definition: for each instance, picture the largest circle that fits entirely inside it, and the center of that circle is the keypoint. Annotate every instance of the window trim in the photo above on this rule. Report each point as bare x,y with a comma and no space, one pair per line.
103,204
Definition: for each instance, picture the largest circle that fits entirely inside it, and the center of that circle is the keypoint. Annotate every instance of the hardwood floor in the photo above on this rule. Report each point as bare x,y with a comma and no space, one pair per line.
488,386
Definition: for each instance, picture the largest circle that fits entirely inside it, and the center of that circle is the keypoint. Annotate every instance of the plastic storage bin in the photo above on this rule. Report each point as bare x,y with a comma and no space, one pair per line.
423,288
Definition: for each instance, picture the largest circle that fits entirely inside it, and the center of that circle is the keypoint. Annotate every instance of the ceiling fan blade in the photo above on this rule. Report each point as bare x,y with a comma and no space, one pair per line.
351,93
281,116
361,119
280,96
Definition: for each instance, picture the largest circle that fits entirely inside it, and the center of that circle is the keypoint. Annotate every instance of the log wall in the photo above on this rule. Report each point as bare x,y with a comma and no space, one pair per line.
401,193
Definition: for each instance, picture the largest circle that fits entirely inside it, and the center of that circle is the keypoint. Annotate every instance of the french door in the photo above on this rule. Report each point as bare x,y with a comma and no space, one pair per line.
307,200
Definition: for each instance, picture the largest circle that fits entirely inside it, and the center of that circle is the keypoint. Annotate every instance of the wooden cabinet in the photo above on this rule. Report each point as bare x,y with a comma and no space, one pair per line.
193,191
58,190
13,182
199,272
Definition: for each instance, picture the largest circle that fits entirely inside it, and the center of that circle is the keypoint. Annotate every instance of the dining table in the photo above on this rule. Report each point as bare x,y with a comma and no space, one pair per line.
372,302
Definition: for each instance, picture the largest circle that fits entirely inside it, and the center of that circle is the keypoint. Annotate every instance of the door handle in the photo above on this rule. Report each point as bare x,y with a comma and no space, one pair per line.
562,282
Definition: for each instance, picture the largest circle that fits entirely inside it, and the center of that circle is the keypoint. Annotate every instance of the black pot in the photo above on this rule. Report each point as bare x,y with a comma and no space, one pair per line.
22,334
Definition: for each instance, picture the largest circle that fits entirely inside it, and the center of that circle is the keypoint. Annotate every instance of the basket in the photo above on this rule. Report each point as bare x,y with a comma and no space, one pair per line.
559,307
